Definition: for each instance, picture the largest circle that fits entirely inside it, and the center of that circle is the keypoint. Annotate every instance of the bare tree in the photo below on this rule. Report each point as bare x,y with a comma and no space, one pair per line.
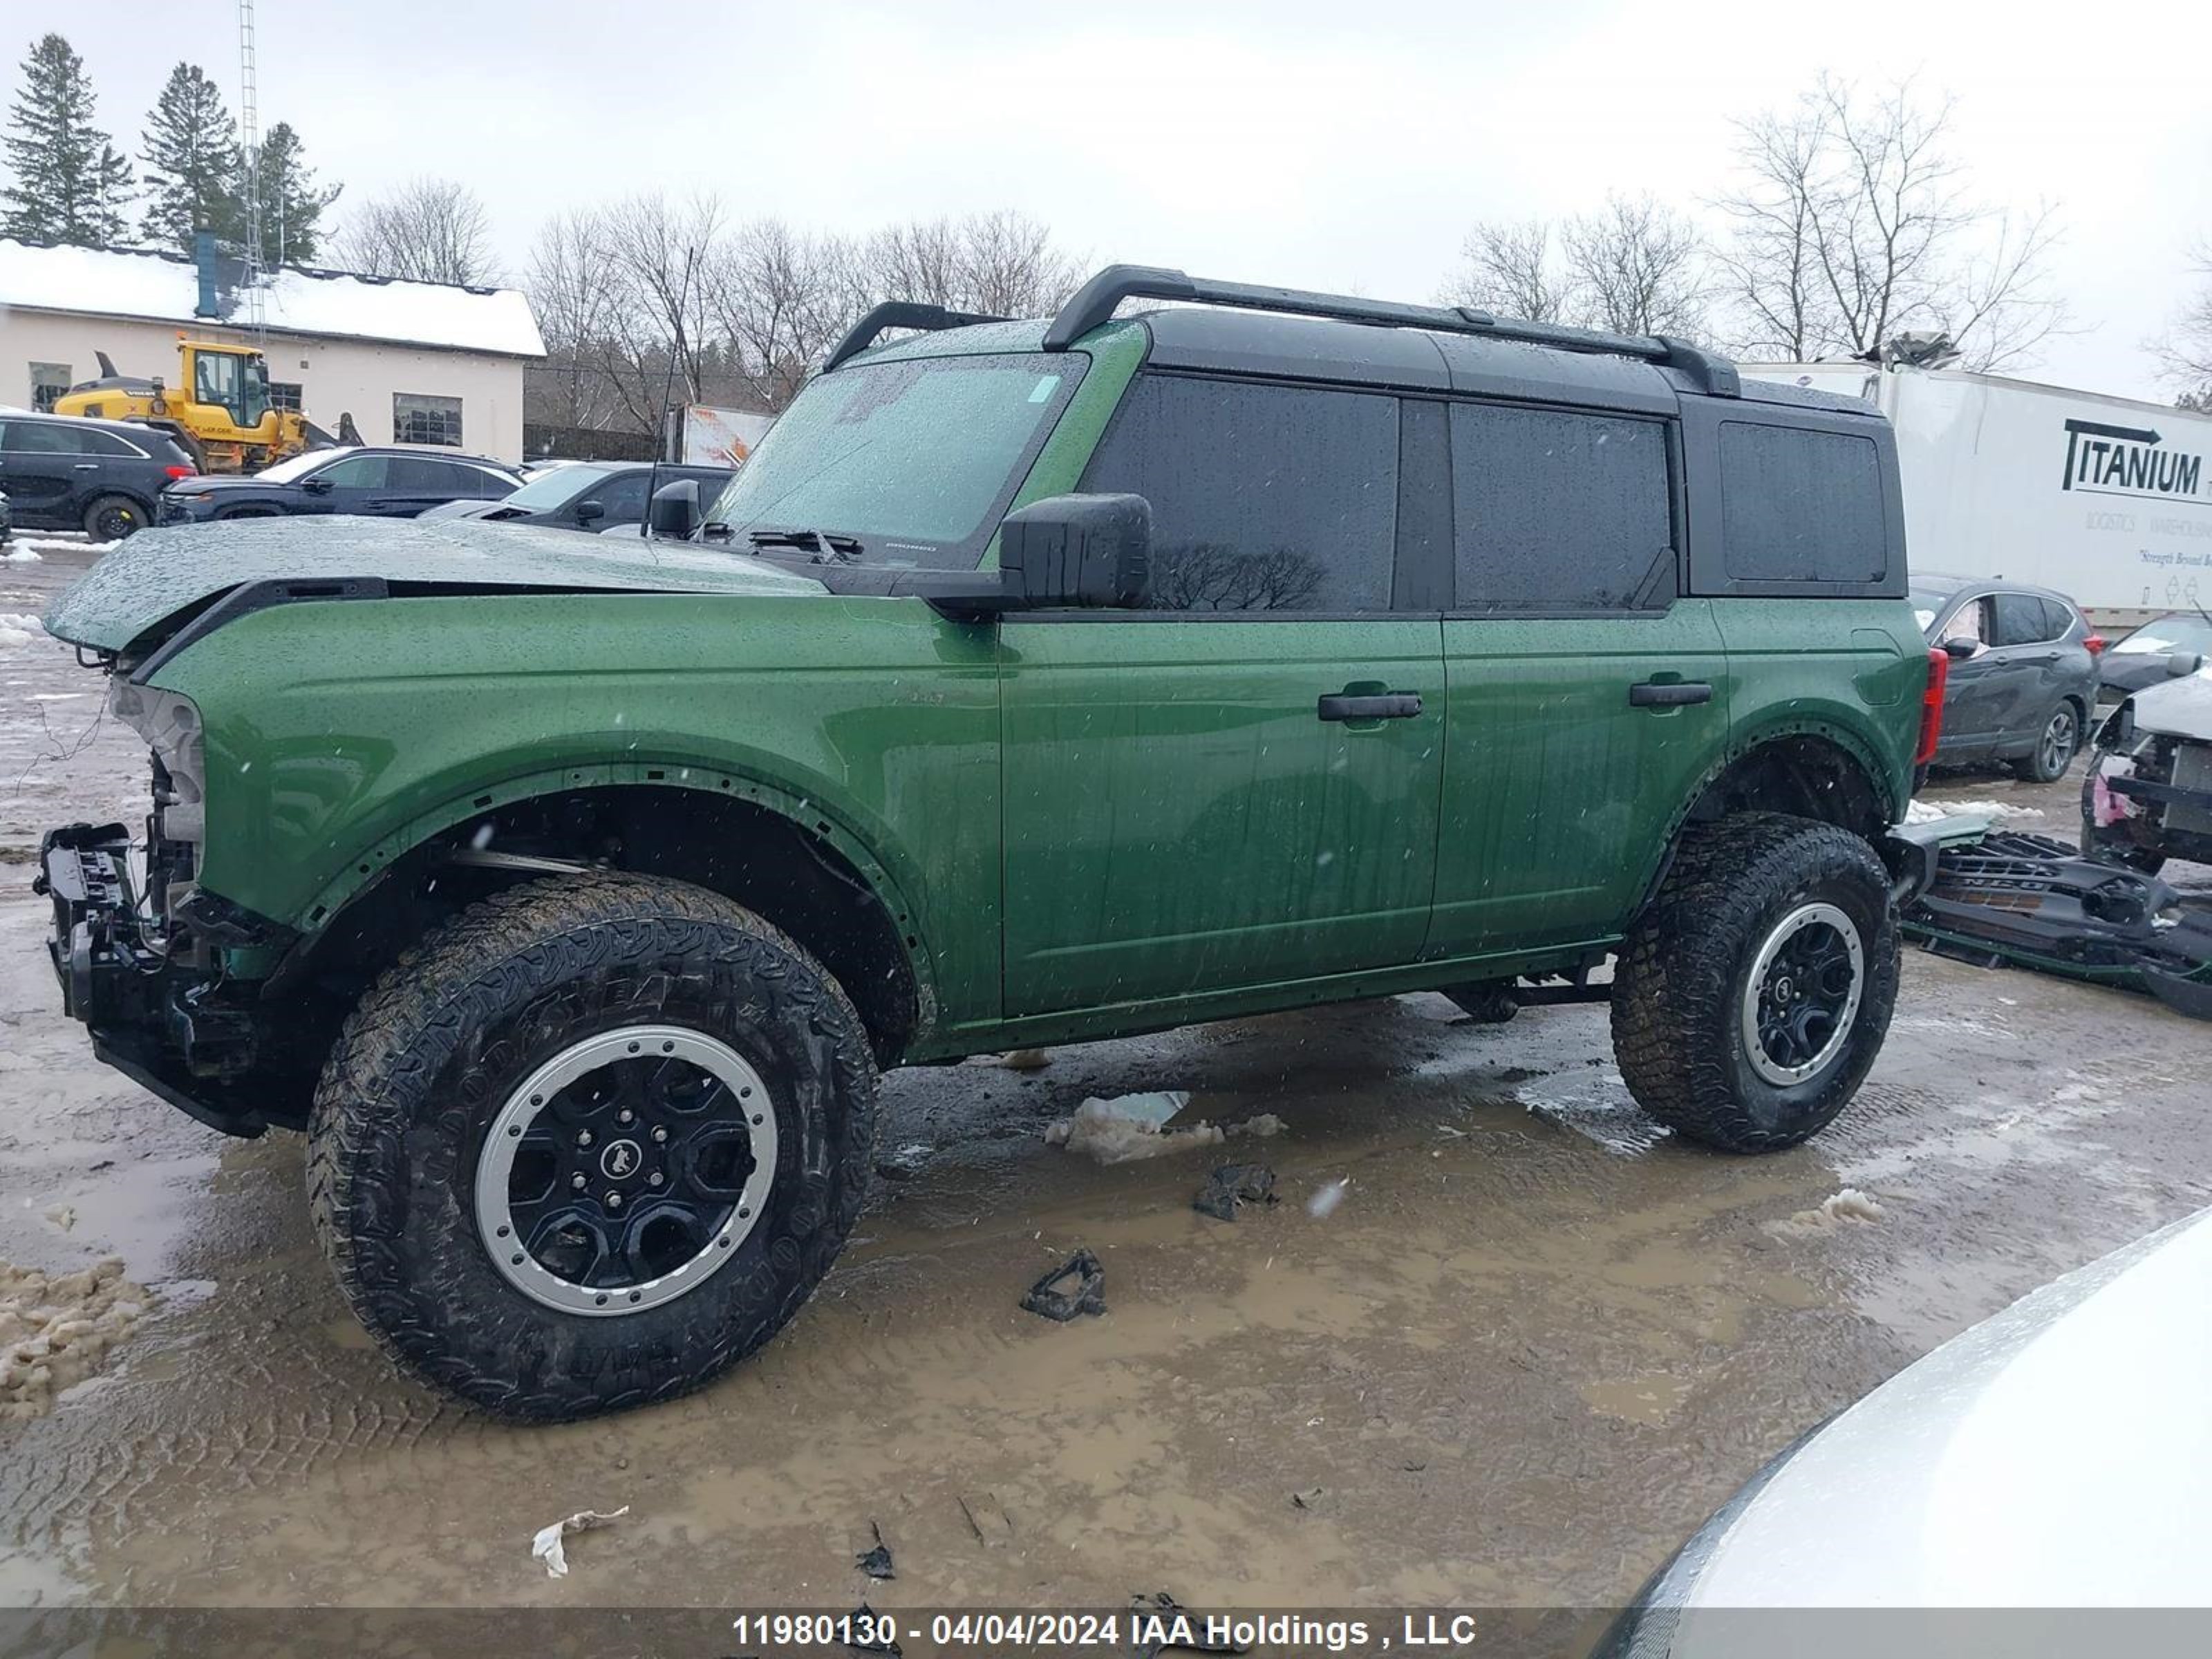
1509,268
1638,268
1854,225
1000,263
1634,267
428,230
573,292
659,256
2184,351
779,300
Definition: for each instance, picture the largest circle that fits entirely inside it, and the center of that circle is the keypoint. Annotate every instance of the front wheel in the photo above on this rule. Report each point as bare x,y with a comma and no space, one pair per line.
2054,747
590,1143
1752,997
111,517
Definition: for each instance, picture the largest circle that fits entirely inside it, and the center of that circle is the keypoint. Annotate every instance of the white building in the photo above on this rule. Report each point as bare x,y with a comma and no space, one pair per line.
412,362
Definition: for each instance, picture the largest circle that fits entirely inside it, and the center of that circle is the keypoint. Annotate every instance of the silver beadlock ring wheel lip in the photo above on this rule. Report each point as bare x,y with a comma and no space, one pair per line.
496,1163
1805,916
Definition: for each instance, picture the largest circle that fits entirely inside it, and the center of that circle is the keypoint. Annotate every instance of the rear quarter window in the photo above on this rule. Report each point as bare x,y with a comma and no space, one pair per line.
1799,505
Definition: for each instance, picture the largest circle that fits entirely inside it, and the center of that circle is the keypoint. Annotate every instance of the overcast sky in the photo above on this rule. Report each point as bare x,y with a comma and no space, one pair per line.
1341,145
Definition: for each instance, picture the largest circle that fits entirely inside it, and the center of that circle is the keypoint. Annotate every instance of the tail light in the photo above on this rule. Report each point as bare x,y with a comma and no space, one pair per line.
2094,645
176,472
1931,706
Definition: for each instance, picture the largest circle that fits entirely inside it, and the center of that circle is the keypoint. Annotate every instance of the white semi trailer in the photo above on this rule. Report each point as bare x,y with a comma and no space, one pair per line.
2106,499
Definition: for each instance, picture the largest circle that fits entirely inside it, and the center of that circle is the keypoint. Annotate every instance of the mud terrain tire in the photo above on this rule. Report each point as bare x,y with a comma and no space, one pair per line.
1684,1032
447,1043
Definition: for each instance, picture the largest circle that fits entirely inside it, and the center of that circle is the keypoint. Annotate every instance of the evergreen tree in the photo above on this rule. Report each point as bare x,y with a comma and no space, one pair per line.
292,203
190,153
70,183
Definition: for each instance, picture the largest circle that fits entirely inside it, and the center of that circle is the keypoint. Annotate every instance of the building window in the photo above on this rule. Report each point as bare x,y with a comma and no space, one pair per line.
417,418
48,382
284,395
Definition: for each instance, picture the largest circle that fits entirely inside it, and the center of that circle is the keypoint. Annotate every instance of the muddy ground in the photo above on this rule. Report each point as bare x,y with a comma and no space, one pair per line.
1531,1348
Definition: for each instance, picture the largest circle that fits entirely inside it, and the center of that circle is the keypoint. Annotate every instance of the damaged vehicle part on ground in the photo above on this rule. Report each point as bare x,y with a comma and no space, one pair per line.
2147,795
571,894
2030,901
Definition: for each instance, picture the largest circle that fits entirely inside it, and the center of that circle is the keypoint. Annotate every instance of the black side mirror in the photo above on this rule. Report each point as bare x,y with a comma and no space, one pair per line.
674,510
2180,665
1960,650
317,485
1092,550
591,511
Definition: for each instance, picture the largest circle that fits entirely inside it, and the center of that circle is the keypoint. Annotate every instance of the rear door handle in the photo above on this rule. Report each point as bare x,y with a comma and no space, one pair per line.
1386,706
85,466
1669,694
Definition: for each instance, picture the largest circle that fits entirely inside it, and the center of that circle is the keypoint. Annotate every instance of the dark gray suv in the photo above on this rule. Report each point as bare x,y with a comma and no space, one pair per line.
65,472
2023,672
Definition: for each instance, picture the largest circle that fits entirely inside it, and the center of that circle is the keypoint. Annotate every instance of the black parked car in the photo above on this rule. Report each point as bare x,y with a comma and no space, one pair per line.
2023,672
587,495
2146,656
382,483
65,472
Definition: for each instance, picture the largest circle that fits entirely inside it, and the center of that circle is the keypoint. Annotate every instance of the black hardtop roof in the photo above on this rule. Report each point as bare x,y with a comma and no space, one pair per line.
138,430
1241,328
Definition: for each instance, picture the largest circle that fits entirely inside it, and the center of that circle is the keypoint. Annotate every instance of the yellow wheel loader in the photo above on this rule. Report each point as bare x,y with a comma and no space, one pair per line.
218,410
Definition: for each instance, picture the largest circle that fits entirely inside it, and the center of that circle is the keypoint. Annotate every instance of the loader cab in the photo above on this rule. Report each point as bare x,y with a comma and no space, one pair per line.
234,381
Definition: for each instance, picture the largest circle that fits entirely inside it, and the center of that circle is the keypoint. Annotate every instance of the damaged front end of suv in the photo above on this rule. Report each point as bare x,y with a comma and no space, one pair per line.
140,948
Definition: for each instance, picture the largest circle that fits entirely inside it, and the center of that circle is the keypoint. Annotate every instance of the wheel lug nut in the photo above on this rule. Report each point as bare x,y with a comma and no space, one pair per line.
583,1137
577,1180
653,1180
614,1201
660,1134
623,1115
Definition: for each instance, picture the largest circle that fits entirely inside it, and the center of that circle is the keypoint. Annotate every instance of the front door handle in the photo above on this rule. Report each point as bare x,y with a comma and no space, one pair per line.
1384,706
85,466
1669,694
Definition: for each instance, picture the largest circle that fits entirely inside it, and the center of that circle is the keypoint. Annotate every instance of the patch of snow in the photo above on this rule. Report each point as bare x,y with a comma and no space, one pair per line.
164,288
19,553
1130,1127
1927,812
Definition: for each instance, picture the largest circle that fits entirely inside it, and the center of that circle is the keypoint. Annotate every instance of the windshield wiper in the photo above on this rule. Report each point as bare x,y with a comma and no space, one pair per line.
828,547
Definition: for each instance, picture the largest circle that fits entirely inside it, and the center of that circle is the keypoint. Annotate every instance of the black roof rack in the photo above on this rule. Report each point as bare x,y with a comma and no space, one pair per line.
897,313
1095,301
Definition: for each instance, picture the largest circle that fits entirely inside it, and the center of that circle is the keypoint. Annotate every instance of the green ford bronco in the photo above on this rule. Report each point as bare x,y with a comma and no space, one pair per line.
1035,682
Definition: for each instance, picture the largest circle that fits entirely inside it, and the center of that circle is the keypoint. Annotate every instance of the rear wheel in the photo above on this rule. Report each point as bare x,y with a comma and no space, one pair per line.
2055,746
591,1144
111,517
1752,997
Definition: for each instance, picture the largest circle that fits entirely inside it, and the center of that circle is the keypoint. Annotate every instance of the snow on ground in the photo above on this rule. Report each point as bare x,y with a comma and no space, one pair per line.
18,629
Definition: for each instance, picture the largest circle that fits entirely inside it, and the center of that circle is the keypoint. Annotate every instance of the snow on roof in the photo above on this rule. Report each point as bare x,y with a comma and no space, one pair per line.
161,287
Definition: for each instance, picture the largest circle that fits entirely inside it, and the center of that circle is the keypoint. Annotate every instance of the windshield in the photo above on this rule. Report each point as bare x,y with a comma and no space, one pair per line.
298,466
554,488
915,458
2174,633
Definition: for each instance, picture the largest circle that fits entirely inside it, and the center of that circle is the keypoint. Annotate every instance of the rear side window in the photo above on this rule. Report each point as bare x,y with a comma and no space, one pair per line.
2058,618
1264,497
2021,619
1554,511
1799,505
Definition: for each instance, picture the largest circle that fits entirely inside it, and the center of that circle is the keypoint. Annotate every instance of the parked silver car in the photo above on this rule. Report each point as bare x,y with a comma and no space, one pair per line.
2055,1456
2023,672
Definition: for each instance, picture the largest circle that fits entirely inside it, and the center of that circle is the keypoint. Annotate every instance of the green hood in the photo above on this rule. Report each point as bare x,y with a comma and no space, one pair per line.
157,574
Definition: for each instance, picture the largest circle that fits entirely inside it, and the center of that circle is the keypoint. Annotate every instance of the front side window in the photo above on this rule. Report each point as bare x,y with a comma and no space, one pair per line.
1971,621
622,496
48,382
357,472
420,418
40,438
1559,511
915,457
1799,505
215,379
1264,497
2175,633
